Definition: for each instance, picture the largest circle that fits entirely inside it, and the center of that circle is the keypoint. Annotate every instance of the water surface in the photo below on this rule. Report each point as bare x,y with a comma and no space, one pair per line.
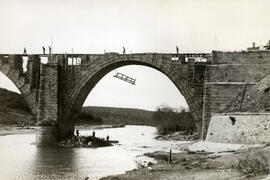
21,160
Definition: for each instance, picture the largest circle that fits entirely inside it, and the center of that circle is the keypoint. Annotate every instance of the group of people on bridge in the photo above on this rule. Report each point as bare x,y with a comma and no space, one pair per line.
50,50
43,49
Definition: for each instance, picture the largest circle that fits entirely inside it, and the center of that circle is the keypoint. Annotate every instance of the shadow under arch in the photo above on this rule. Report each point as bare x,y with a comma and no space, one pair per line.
20,102
89,81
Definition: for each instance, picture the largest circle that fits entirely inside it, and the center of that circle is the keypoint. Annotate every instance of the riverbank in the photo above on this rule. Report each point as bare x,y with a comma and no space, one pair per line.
15,129
104,126
11,130
204,161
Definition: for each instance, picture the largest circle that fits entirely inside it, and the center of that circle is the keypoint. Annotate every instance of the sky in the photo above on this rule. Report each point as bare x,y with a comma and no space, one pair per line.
92,26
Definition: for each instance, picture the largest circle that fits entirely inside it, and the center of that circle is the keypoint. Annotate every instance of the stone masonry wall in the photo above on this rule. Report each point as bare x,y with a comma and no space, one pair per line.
254,99
244,57
216,97
48,94
230,75
243,128
237,72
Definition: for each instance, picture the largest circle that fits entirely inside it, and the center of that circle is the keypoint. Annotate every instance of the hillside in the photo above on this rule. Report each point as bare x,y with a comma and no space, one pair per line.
113,115
13,109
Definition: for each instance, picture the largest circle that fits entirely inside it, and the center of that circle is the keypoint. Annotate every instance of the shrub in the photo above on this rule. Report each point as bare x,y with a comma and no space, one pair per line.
168,120
139,164
252,164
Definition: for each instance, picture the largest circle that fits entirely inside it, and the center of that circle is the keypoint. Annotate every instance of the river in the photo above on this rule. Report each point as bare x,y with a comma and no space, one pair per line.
20,159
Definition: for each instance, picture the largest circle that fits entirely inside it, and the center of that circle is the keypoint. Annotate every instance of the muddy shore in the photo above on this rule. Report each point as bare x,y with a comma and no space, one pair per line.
198,165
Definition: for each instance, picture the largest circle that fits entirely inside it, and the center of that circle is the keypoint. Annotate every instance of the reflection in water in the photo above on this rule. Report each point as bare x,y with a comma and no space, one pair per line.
20,160
55,162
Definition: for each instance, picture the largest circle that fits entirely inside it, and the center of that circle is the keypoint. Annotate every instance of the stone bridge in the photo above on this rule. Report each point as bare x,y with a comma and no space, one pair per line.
56,86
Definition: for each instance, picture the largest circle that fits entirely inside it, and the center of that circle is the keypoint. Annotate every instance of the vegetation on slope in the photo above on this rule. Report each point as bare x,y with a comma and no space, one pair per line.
253,164
127,116
13,109
170,121
87,118
11,100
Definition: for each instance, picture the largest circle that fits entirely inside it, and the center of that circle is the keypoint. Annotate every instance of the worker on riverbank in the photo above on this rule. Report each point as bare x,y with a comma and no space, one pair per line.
94,133
77,133
107,138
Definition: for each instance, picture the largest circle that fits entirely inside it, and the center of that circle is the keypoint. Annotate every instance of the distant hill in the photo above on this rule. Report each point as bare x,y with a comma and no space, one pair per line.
114,115
13,109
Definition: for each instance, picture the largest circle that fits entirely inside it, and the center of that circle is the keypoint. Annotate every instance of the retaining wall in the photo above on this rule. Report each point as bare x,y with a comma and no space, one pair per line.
240,128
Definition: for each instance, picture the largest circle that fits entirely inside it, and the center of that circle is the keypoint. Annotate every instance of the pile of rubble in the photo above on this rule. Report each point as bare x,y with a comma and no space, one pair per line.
84,141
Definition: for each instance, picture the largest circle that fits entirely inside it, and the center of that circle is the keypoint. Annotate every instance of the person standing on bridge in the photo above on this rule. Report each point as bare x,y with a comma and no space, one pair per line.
24,51
44,50
50,50
177,49
124,50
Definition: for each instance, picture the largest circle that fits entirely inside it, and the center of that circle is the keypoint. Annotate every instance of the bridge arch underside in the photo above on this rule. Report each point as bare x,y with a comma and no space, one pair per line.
90,79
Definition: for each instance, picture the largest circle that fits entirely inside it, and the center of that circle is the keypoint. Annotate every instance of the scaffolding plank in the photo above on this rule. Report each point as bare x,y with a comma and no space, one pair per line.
126,78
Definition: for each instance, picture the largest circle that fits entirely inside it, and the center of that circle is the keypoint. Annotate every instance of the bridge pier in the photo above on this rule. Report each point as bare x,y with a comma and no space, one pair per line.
53,121
46,135
49,134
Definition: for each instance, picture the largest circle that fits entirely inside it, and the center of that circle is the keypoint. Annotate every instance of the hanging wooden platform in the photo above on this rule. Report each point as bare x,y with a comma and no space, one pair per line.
125,78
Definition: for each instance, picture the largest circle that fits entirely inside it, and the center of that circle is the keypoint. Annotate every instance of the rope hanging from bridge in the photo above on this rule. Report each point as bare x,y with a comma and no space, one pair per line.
125,78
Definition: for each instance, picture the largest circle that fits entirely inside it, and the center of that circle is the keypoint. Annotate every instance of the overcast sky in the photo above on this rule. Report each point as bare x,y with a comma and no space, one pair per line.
92,26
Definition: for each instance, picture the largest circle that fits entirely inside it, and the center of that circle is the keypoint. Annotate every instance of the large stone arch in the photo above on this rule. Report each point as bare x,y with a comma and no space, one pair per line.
177,74
11,66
